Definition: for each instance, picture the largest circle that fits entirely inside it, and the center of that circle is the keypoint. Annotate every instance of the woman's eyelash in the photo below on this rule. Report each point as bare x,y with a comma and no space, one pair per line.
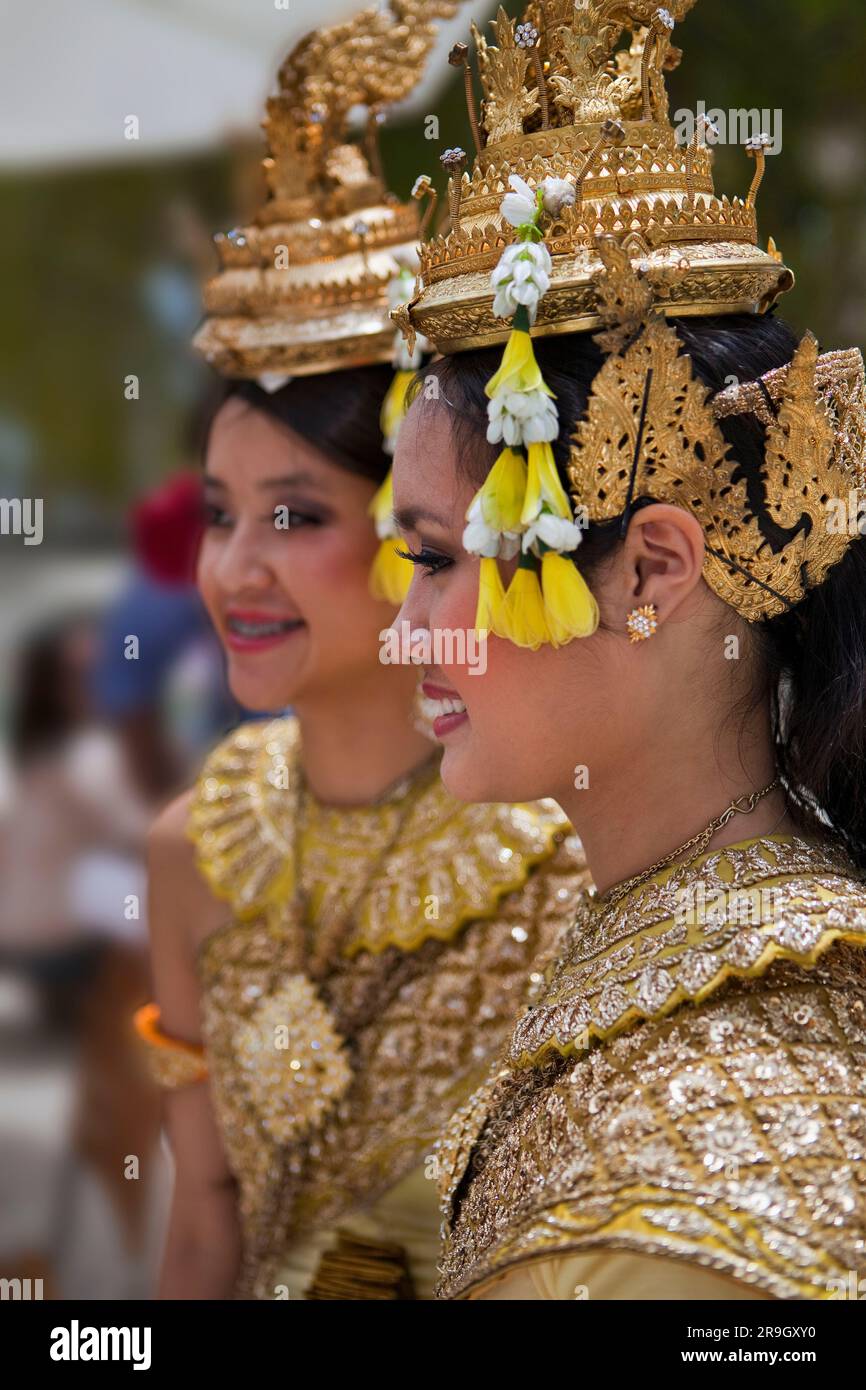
283,518
215,516
290,518
429,560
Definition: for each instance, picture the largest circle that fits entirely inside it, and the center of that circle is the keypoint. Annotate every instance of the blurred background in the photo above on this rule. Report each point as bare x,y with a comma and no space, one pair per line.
103,242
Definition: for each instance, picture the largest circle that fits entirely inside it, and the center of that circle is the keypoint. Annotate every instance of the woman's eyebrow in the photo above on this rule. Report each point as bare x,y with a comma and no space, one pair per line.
407,518
299,478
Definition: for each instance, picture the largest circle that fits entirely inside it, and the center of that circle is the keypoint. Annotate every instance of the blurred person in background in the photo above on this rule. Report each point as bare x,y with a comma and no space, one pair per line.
71,795
109,715
159,680
71,841
328,985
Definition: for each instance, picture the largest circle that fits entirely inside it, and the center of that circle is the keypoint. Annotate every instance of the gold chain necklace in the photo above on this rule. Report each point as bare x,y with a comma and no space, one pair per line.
742,805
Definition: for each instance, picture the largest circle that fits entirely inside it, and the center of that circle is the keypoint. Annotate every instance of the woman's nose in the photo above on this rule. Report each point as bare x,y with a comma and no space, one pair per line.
413,609
242,563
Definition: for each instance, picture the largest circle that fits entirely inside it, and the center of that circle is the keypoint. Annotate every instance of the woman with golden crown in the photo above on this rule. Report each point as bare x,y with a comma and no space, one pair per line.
339,946
640,500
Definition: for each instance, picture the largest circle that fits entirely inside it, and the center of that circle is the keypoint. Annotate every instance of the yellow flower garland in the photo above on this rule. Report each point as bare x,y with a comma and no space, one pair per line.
390,574
522,503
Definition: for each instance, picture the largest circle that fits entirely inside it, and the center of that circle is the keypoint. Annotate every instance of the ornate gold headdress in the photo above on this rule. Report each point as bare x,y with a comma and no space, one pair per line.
651,430
308,287
305,288
610,223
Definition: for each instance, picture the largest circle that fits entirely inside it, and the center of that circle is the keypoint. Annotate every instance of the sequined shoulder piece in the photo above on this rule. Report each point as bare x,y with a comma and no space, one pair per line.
728,1135
238,821
723,1126
454,864
678,938
451,863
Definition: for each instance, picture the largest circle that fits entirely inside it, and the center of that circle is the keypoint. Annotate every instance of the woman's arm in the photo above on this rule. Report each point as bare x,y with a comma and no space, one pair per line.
202,1253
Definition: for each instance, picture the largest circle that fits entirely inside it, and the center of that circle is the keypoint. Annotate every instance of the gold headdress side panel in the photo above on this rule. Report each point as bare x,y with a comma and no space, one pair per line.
304,289
841,385
684,460
677,420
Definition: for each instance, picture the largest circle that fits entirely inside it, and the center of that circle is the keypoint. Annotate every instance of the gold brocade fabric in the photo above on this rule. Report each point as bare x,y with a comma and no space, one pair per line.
691,1083
440,945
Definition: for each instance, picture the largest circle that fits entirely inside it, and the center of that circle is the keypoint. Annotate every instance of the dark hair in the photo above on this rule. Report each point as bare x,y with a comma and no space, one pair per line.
42,711
338,412
812,658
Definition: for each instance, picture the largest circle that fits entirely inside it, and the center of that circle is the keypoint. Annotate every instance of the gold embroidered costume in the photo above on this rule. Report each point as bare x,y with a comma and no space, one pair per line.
340,1037
688,1088
375,956
689,1084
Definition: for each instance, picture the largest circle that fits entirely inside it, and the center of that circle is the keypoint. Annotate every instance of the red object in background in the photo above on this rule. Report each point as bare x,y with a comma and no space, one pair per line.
167,528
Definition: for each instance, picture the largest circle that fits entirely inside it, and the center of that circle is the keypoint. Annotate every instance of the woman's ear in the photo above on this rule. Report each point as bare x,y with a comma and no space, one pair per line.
663,557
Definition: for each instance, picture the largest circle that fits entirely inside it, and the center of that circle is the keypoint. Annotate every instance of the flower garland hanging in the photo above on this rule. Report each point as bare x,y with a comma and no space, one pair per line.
522,510
391,574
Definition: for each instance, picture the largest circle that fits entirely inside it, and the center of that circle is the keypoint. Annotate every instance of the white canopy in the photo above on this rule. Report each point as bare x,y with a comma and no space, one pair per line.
191,71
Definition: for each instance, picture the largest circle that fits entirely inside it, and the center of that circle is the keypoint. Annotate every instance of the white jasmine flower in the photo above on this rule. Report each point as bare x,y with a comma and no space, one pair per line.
478,537
481,539
520,206
502,427
554,531
522,276
558,194
522,417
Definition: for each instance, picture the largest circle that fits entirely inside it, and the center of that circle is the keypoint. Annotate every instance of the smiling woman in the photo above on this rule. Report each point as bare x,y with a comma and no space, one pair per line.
288,547
641,521
338,945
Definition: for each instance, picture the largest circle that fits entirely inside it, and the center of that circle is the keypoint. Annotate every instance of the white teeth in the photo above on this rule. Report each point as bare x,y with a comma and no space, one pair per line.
435,708
244,629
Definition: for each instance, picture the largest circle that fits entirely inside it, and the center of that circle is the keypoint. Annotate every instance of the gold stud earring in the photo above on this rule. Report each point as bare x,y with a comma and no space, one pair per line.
642,622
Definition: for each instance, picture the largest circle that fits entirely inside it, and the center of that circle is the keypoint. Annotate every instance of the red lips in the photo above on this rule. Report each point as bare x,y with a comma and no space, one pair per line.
248,630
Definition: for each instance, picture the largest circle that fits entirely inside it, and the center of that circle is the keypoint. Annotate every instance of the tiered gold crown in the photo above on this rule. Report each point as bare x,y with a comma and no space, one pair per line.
305,288
576,91
605,222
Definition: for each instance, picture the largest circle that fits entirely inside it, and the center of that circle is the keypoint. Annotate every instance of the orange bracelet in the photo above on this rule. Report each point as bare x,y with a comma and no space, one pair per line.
170,1061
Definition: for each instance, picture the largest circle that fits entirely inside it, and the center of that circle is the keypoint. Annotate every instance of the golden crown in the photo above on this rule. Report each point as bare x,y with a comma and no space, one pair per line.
305,288
606,222
575,92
